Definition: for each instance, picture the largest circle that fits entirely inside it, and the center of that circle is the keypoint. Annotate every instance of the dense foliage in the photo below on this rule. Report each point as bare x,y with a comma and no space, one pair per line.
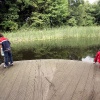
15,14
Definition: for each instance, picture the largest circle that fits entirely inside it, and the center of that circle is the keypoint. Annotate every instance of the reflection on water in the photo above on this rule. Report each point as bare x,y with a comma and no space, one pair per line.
88,59
48,52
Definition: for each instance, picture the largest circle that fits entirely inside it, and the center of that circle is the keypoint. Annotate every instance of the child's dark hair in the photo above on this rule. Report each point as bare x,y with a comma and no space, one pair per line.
1,35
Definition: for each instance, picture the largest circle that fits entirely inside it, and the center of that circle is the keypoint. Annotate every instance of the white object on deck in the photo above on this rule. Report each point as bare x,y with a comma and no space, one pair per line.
88,59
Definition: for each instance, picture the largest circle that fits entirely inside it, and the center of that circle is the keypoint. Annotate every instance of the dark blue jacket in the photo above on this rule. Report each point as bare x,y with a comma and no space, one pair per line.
5,44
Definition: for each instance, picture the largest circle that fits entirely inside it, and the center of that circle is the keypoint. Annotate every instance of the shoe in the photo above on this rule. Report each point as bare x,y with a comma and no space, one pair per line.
11,64
5,66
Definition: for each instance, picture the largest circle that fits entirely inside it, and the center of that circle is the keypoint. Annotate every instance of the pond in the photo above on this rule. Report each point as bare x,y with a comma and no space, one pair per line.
72,53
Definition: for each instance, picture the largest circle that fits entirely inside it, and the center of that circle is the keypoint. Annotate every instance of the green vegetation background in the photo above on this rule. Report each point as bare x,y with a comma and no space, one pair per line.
40,14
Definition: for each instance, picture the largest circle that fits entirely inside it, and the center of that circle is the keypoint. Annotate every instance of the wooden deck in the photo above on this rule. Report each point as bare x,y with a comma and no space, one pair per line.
50,79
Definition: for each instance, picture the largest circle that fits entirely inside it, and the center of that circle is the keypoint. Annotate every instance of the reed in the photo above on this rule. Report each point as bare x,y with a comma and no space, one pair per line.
55,37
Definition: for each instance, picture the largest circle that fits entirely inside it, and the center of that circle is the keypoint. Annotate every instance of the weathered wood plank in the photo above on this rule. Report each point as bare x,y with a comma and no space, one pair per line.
45,75
75,75
4,85
88,92
48,70
77,94
96,83
15,87
24,82
31,81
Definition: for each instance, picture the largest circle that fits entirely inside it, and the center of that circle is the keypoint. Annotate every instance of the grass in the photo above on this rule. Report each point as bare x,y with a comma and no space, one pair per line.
60,37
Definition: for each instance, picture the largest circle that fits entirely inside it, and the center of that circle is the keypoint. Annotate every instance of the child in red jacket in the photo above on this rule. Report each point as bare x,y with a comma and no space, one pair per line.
97,57
5,44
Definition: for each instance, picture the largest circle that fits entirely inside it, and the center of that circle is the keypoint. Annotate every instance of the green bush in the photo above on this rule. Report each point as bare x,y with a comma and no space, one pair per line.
9,25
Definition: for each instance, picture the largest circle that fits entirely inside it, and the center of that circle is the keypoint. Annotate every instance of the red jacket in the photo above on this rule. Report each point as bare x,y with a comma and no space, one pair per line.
97,57
5,43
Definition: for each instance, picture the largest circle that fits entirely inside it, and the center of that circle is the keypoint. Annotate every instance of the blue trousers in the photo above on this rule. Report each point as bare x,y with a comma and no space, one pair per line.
8,58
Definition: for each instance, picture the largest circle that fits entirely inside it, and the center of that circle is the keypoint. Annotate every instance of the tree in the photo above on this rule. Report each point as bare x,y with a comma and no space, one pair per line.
96,12
49,13
89,17
9,15
79,13
76,10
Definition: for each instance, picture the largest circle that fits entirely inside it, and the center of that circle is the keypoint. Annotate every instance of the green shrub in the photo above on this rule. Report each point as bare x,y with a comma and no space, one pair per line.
9,25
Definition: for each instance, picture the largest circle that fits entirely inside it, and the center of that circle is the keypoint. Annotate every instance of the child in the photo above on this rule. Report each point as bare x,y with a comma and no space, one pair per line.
97,57
5,44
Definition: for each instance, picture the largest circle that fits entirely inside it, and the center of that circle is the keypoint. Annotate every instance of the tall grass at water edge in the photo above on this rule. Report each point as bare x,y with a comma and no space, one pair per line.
55,37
